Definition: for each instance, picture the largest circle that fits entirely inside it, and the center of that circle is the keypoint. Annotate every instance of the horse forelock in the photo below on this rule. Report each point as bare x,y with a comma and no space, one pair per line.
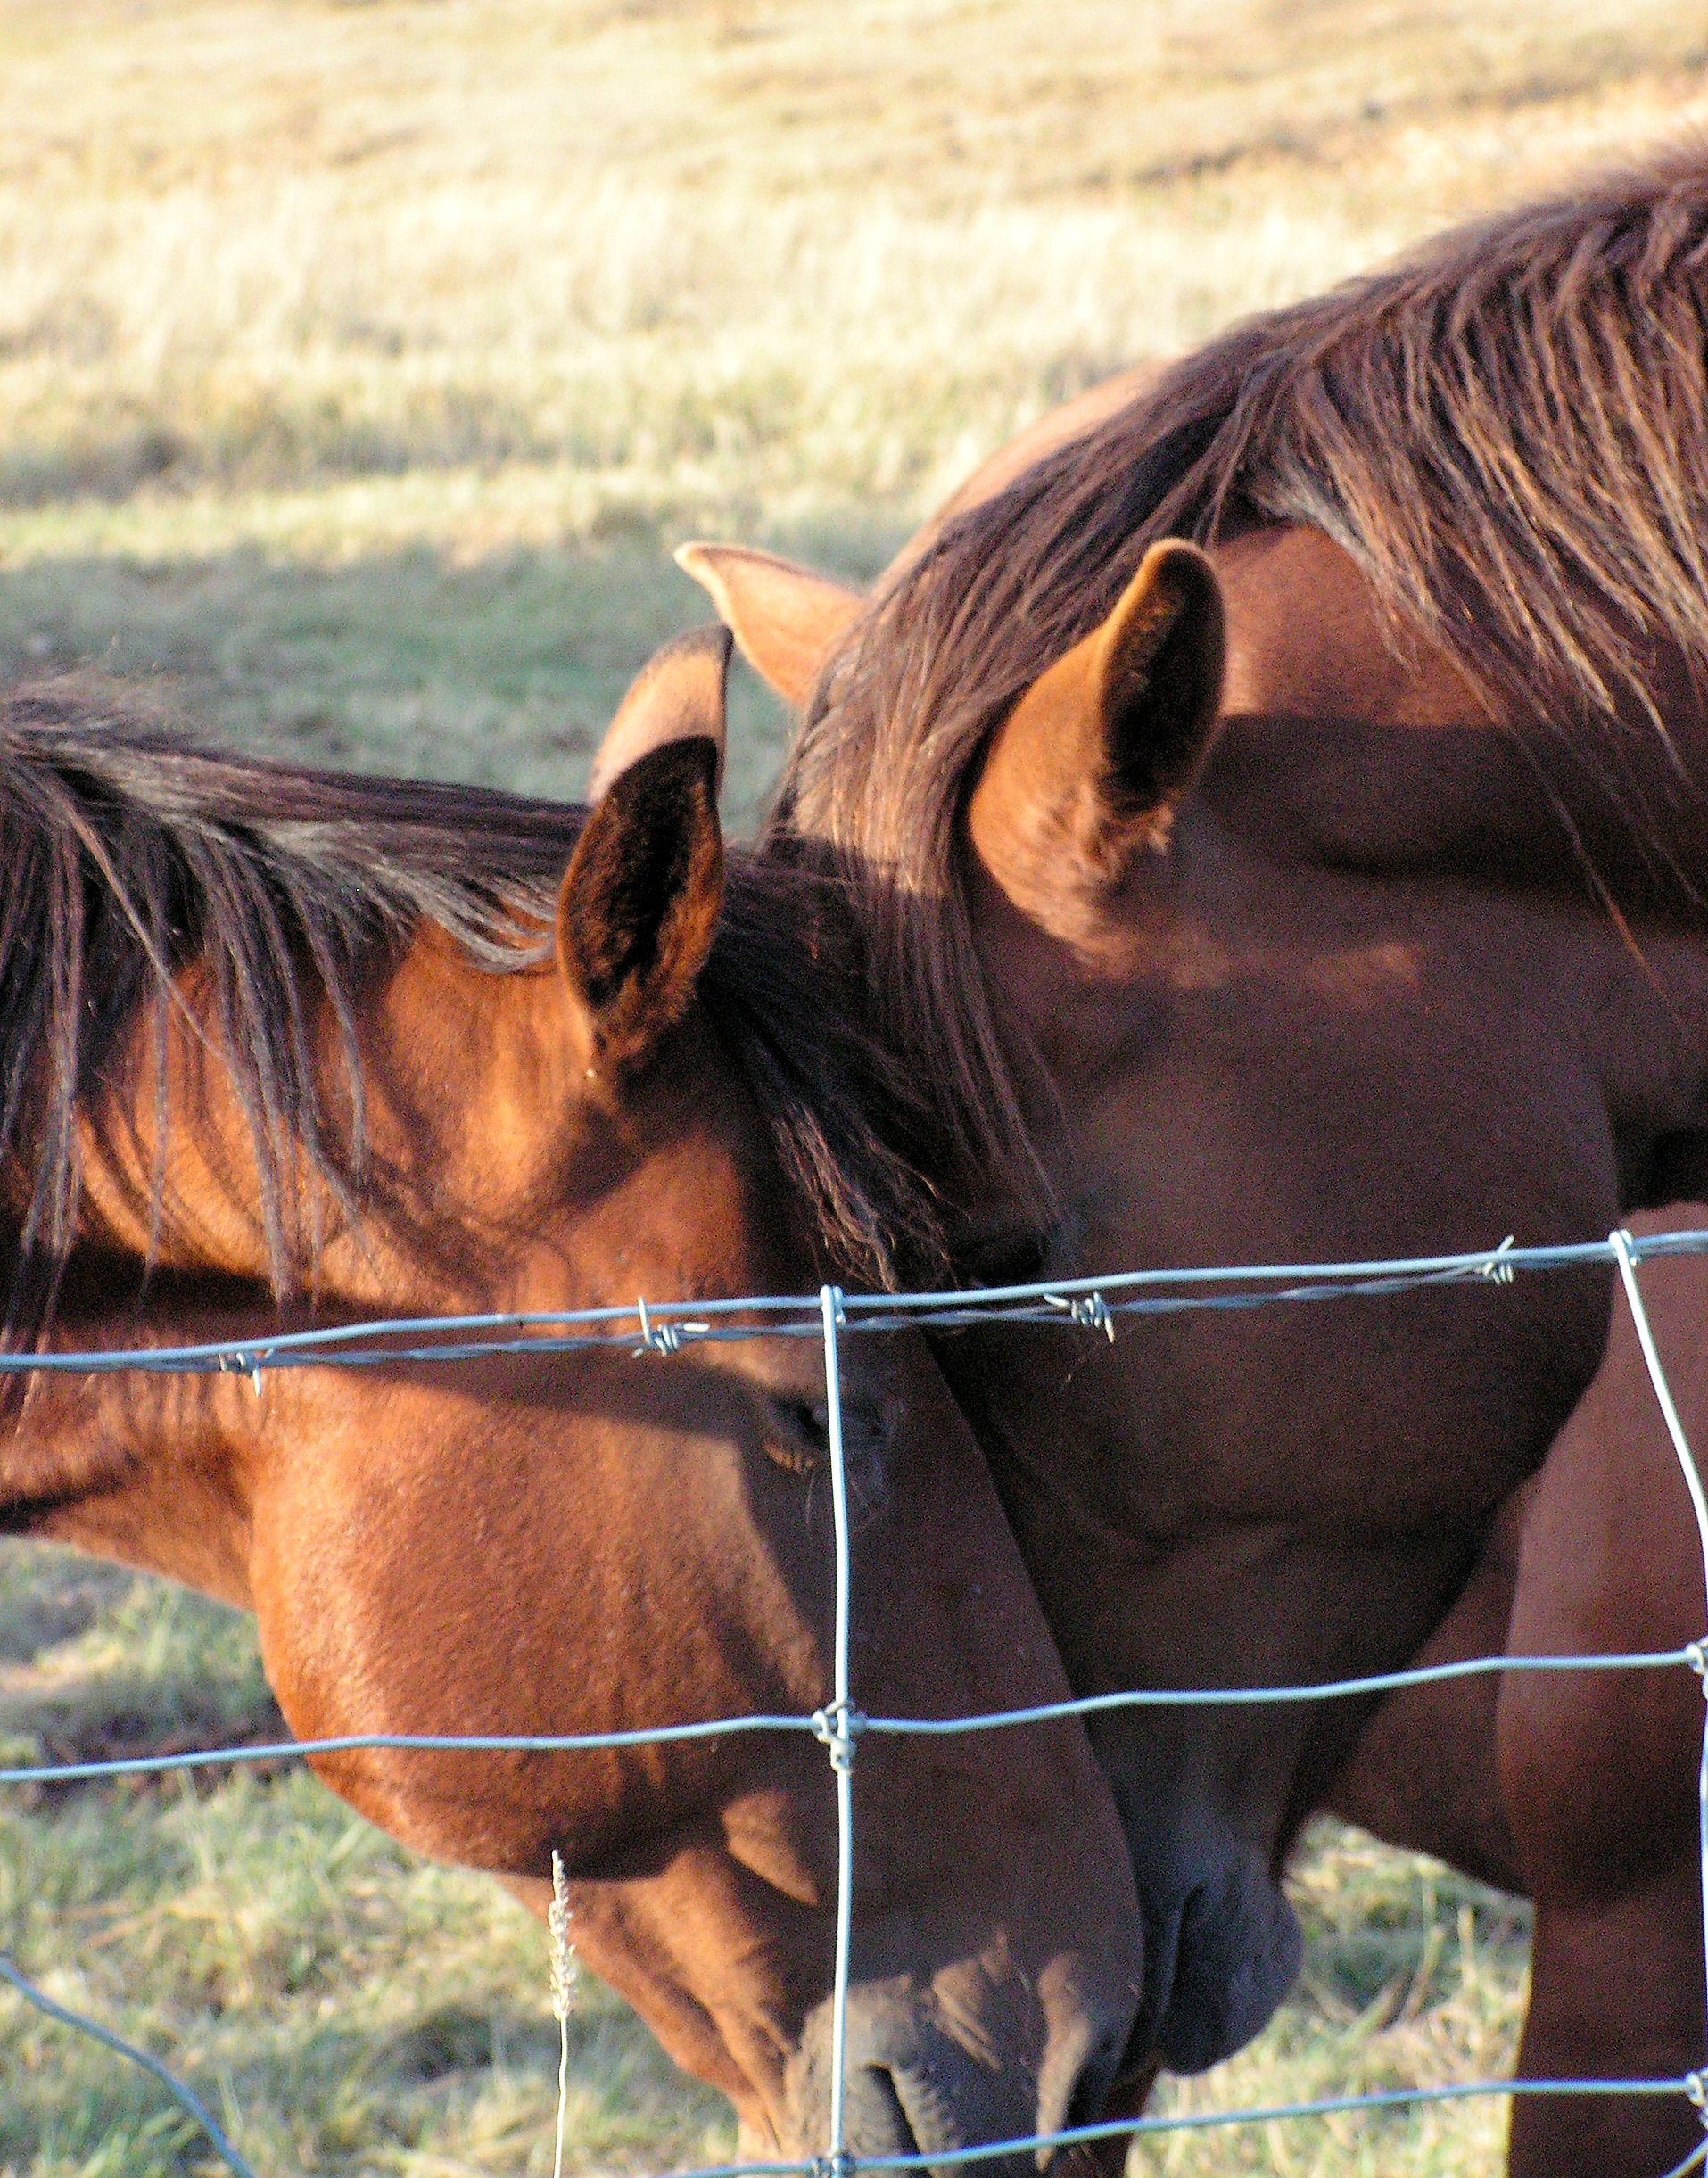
130,851
1508,433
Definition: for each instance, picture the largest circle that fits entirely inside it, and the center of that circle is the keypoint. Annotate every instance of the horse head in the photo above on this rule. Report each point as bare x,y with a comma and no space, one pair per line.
1268,859
571,1104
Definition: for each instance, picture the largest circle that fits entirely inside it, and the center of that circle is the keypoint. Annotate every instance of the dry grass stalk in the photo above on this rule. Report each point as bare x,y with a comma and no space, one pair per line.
563,1991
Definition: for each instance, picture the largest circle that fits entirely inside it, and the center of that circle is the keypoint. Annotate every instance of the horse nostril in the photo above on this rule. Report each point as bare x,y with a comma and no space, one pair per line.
812,1419
886,2107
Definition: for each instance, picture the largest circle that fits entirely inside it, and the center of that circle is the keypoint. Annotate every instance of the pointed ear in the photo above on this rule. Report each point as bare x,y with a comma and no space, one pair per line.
677,696
1088,768
785,618
638,903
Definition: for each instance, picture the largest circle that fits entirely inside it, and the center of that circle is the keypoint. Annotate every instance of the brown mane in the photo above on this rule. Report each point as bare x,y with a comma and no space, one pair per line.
1507,431
129,851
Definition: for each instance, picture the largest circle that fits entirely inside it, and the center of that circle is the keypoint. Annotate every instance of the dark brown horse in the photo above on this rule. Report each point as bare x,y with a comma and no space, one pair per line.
1328,885
280,1049
1598,1770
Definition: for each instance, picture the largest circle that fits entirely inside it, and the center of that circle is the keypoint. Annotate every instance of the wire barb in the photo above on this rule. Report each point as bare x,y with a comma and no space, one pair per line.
1496,1267
664,1338
237,1363
1090,1310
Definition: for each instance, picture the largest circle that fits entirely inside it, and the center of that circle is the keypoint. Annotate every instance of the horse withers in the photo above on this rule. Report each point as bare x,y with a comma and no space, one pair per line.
1276,821
281,1049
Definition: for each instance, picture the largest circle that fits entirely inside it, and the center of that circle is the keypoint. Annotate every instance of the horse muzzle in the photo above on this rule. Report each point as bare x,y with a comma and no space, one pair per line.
914,2088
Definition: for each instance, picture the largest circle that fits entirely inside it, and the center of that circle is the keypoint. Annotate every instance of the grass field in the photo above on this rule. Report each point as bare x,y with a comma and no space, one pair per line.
358,365
344,2009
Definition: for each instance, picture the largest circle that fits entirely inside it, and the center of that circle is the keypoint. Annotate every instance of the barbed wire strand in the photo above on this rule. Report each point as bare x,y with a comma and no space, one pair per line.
1080,1303
820,1724
351,1345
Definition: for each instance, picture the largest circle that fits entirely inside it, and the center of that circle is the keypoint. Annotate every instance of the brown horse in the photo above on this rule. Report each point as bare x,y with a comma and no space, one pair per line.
282,1049
1331,884
1598,1770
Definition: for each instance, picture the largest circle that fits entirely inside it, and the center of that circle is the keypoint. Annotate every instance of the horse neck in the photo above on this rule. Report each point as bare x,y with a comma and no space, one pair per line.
1366,818
460,1074
444,1127
1350,742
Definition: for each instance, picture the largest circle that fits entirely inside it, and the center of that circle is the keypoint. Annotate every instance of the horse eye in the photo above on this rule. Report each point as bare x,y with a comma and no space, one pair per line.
1009,1259
802,1442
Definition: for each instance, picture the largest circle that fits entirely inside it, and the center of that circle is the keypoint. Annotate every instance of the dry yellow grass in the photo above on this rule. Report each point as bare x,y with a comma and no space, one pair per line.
748,263
355,363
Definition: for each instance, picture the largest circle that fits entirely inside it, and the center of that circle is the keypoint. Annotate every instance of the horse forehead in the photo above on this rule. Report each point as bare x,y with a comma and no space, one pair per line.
689,1216
1309,638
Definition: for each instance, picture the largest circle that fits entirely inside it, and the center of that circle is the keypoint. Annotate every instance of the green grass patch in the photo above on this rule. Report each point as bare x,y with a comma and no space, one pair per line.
344,2008
339,2005
504,671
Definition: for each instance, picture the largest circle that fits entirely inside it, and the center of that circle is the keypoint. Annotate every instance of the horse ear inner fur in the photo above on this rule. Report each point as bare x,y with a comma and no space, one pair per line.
1089,767
638,904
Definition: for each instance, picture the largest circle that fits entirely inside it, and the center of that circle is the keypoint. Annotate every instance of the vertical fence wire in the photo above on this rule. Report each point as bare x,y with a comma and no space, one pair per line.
839,1737
1623,1246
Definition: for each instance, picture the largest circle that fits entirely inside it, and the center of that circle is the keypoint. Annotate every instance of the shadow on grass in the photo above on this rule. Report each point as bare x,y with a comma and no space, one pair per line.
340,2005
98,1664
504,672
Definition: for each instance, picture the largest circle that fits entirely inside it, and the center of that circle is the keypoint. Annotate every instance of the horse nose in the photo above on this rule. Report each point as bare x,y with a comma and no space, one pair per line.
910,2090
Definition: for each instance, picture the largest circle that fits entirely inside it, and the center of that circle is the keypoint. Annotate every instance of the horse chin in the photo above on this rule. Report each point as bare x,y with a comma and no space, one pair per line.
1226,1958
910,2089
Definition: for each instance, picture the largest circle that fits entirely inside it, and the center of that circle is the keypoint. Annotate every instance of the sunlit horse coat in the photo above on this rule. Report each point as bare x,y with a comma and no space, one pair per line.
1277,818
282,1049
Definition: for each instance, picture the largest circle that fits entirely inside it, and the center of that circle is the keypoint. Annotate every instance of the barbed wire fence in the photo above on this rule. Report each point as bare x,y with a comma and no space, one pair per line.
1088,1305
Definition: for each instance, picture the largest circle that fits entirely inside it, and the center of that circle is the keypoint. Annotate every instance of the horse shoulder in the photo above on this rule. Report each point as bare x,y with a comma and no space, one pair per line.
1599,1771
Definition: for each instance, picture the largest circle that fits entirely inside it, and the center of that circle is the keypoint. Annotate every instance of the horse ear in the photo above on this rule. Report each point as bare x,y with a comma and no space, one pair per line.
677,696
1090,765
785,618
638,903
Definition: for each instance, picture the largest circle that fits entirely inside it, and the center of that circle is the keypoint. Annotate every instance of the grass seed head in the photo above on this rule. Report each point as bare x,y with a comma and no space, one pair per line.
563,1951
